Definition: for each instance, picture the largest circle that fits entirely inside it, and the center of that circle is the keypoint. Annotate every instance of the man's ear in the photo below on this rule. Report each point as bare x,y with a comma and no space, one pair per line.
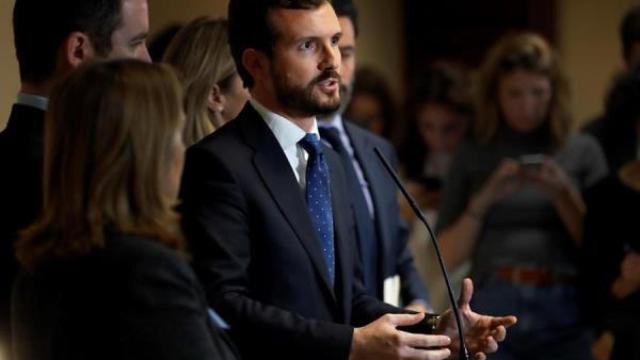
255,62
216,100
77,48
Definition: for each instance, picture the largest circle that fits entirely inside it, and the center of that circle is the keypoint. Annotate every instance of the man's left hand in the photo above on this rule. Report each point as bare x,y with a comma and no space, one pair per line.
482,332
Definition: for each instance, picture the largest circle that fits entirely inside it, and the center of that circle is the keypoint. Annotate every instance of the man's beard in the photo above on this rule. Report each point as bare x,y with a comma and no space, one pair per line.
302,99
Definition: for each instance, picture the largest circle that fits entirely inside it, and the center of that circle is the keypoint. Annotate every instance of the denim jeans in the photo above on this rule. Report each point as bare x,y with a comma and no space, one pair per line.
548,320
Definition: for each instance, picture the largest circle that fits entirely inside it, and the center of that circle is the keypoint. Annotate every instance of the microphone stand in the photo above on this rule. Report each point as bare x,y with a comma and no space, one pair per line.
463,354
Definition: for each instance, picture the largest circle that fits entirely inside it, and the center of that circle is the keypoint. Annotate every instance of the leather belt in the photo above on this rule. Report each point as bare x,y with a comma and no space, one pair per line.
534,276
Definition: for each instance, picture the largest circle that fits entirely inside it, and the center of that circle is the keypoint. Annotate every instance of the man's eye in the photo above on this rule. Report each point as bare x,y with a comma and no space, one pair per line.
307,45
136,44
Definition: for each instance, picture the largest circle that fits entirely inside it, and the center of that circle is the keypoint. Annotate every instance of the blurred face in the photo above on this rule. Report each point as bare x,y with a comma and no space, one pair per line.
633,57
305,62
129,40
235,98
347,47
177,163
524,99
366,110
441,128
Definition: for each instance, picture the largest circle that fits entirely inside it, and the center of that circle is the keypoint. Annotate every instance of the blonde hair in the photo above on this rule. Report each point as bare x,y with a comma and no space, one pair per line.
201,55
521,51
109,142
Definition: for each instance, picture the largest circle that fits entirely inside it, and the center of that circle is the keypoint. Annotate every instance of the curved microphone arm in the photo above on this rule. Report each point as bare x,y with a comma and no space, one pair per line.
456,312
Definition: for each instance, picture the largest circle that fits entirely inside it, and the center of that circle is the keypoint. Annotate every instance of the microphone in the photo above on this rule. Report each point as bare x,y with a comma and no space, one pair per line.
463,348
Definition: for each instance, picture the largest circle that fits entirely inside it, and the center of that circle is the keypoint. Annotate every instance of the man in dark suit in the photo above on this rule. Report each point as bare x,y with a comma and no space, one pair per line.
51,38
266,207
388,268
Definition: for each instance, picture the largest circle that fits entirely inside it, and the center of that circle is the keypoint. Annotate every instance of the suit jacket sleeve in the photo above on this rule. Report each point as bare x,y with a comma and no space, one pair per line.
217,223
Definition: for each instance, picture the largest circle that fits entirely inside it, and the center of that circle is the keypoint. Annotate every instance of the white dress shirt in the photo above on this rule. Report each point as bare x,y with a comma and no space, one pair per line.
38,102
288,135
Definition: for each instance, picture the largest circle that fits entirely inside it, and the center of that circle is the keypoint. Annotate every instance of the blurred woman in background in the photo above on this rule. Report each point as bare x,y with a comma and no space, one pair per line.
372,106
106,277
513,204
213,91
440,113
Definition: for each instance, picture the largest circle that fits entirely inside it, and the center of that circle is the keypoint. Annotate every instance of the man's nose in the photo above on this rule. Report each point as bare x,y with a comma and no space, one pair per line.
330,57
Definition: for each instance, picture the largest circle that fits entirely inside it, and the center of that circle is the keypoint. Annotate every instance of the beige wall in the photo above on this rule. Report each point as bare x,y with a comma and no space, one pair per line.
587,38
163,12
9,81
381,44
588,42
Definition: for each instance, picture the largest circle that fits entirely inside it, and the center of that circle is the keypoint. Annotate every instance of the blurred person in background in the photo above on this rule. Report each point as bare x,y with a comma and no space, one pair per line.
105,275
630,37
617,133
513,204
612,240
440,114
372,105
213,91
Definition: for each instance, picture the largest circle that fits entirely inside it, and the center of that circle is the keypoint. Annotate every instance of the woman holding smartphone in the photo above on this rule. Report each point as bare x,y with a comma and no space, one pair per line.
106,276
512,203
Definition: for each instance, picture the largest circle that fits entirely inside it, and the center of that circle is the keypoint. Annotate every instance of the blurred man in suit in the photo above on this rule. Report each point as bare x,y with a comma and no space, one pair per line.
51,38
388,268
267,212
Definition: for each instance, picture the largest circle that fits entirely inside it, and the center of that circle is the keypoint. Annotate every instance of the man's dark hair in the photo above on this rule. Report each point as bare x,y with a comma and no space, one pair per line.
346,8
630,30
41,26
250,29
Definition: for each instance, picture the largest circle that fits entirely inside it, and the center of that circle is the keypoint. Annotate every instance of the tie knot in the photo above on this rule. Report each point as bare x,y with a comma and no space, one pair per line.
311,143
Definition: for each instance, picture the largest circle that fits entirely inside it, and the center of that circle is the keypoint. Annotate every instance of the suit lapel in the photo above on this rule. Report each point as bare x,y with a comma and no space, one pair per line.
274,169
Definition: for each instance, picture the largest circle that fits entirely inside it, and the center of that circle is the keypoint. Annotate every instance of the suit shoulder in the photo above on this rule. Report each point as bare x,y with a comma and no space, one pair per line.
374,139
227,135
137,250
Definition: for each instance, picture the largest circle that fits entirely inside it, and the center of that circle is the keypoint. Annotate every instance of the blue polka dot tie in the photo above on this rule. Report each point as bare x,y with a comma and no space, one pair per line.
318,194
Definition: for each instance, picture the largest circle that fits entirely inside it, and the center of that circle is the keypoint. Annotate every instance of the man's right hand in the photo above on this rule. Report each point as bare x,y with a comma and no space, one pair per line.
381,340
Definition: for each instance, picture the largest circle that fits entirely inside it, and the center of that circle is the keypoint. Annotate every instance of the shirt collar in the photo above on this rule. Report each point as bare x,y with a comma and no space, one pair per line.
38,102
333,121
286,132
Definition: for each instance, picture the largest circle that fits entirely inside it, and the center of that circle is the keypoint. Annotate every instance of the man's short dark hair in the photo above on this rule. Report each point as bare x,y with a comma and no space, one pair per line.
346,8
630,30
249,28
41,26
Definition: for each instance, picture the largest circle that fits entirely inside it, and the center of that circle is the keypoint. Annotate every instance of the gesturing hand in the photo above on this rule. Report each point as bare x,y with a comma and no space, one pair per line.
482,332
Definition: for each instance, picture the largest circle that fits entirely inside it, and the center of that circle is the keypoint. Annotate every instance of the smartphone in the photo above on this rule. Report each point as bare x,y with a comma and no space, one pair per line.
531,161
428,325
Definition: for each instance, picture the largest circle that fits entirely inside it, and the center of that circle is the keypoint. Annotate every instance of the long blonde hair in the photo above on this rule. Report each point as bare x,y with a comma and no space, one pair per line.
109,142
201,55
521,51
